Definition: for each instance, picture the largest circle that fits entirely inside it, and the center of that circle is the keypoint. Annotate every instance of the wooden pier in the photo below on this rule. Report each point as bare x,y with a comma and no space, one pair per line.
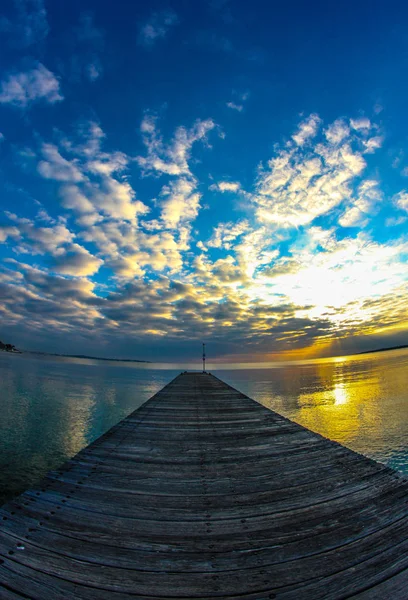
203,493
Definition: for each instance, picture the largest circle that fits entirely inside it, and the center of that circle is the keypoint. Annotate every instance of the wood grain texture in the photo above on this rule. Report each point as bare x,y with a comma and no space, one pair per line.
202,493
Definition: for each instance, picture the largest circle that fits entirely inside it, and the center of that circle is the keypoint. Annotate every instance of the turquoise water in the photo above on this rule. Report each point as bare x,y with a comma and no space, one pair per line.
52,407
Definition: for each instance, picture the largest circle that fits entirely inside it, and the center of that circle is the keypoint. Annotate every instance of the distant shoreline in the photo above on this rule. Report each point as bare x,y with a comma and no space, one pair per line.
15,351
384,349
132,360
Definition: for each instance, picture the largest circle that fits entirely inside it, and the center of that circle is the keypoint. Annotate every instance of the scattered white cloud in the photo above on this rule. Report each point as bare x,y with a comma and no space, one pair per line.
301,182
7,231
363,206
307,130
373,144
239,101
57,167
226,186
157,27
22,89
39,240
337,132
180,202
234,106
226,233
94,70
171,158
96,186
201,246
401,200
74,199
362,123
394,221
55,242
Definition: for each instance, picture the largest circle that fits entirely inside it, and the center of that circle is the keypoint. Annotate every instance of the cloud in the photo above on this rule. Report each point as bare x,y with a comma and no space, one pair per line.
307,129
73,198
55,287
304,181
254,279
180,202
234,106
38,239
353,269
226,233
239,101
76,261
337,132
361,123
29,25
401,200
22,89
226,186
49,305
57,167
179,199
55,242
172,158
373,144
131,252
363,206
285,266
95,186
394,221
94,70
7,231
157,27
117,199
288,308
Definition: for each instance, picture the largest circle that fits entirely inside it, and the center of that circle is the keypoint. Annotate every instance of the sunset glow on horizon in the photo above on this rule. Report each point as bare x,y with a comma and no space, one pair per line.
224,172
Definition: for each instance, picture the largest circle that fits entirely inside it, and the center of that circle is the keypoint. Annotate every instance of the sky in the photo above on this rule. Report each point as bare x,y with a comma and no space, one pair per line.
218,171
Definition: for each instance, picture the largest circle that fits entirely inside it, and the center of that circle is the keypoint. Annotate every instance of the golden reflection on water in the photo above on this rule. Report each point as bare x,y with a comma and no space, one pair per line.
361,403
340,394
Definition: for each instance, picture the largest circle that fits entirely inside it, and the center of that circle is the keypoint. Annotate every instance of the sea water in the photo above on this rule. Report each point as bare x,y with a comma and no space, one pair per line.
51,407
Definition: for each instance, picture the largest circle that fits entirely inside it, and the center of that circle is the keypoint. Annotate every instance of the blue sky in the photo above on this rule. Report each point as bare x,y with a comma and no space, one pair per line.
218,171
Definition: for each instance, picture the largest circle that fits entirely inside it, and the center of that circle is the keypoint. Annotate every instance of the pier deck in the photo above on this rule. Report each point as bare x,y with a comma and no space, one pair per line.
204,493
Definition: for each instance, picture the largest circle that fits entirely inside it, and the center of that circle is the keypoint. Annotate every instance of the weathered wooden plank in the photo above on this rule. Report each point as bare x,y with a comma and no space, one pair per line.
394,586
116,506
203,493
138,552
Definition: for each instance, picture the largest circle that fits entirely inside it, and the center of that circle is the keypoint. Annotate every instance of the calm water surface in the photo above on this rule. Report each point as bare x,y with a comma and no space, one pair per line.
50,408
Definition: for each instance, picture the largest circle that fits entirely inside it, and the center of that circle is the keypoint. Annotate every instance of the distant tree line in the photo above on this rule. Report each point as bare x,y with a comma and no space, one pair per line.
7,347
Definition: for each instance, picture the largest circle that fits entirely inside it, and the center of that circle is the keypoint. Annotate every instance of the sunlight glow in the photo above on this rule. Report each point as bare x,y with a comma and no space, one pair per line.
340,394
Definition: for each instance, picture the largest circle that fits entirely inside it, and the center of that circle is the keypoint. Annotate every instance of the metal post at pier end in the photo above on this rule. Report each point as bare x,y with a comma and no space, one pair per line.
203,358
